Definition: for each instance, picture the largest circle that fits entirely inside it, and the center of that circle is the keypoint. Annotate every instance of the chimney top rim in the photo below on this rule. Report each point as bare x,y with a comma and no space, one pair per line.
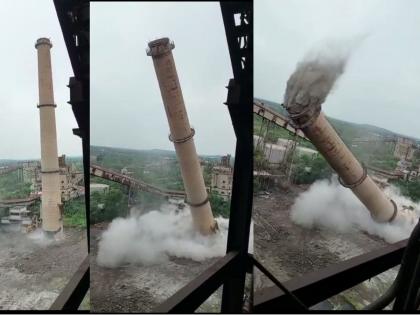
43,41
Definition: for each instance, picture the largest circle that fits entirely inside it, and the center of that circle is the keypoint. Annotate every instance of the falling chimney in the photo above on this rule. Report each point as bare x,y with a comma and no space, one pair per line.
351,173
182,135
51,196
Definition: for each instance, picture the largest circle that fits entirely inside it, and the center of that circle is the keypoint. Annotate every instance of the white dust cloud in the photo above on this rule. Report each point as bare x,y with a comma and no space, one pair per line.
155,236
327,204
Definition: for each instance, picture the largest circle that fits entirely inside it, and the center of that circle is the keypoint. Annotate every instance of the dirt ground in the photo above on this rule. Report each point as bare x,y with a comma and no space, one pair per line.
32,274
137,288
289,250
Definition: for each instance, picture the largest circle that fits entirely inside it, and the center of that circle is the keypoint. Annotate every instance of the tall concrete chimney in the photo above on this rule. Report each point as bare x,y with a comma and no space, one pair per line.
182,134
51,196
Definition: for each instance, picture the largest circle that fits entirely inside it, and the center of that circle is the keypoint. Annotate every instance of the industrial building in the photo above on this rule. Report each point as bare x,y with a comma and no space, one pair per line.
221,178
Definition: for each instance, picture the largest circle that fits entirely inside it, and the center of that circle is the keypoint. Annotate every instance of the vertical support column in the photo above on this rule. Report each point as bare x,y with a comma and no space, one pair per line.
182,135
51,196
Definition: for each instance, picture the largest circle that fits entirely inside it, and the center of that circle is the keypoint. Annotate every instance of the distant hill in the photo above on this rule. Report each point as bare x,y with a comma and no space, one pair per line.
97,150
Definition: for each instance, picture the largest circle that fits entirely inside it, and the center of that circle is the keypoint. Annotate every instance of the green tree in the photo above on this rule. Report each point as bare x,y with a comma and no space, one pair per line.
308,170
219,206
409,189
75,212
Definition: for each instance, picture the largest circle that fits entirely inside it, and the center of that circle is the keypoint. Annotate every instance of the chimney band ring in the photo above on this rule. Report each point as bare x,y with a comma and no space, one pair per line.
50,172
182,140
46,105
198,204
395,211
309,121
358,182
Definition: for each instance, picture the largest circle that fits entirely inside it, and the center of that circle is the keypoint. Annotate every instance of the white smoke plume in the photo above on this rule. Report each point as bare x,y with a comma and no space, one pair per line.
327,204
153,237
316,75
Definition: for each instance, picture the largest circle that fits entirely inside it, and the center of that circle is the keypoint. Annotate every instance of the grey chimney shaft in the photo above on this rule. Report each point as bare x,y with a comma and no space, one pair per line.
51,195
182,135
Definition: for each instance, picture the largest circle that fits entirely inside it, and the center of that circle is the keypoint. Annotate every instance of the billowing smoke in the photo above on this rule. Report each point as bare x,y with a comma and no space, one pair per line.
156,236
317,73
327,204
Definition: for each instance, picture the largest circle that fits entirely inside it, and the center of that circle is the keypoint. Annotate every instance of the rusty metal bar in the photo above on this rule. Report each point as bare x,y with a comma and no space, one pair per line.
191,296
322,284
73,293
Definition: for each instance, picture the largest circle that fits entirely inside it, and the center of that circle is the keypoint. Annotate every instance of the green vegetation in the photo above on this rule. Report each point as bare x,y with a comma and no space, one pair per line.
409,189
308,170
219,206
109,205
12,187
75,213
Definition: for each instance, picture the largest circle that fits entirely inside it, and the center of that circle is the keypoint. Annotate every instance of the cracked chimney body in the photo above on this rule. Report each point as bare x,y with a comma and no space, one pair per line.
182,134
51,196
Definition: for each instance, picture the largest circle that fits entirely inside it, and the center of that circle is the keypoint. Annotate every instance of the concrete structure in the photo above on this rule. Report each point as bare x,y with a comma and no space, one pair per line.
404,149
352,174
274,154
100,188
32,174
19,219
225,160
71,180
182,134
221,180
51,198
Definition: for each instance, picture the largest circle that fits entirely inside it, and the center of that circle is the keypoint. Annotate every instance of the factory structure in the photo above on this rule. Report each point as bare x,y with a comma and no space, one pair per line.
181,134
71,179
276,154
221,178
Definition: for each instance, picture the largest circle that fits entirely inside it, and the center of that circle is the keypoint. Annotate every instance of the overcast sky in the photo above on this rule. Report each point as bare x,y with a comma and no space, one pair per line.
126,105
381,85
21,24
